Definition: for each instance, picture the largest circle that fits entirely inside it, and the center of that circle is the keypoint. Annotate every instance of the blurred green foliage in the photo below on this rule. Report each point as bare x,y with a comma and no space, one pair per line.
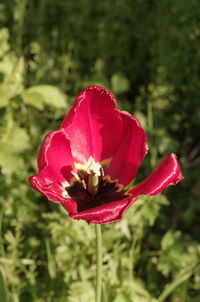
148,54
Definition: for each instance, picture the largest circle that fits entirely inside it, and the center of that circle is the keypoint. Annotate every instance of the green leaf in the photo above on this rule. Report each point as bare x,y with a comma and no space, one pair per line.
13,142
146,210
173,245
10,162
2,289
81,292
34,99
4,46
134,290
169,288
51,261
7,91
17,140
38,96
119,83
4,97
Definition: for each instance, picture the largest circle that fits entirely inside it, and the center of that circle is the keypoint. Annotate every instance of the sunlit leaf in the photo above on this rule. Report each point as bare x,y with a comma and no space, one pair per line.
41,95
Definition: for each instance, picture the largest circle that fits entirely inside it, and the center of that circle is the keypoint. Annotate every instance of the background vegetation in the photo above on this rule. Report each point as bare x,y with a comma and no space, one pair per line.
148,53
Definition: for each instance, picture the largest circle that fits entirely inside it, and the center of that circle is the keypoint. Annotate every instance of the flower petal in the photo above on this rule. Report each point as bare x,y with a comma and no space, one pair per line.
49,188
130,152
55,165
110,212
52,191
55,158
94,125
166,174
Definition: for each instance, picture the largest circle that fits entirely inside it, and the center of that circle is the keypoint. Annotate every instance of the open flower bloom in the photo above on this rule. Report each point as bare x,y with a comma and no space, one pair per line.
87,164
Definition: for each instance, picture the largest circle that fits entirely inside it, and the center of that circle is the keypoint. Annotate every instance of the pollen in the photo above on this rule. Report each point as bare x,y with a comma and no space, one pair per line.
93,168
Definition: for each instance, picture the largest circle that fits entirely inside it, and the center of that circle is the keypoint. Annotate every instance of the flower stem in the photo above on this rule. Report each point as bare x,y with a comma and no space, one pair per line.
99,262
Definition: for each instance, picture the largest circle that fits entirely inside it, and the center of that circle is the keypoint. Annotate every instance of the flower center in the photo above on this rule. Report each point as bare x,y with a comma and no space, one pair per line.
94,171
91,188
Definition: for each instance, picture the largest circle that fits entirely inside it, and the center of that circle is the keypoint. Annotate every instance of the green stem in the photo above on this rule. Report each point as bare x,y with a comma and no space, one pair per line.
21,8
99,263
151,134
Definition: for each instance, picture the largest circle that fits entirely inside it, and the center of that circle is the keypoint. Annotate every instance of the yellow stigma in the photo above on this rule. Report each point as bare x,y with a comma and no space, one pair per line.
94,171
92,167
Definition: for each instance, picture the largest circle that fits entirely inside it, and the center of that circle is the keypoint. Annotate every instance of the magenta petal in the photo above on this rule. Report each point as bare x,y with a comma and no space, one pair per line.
45,186
55,156
94,125
55,165
166,174
130,152
110,212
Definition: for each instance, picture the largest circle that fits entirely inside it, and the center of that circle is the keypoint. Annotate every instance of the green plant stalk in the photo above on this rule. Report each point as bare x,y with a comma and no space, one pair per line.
99,262
21,6
174,284
151,136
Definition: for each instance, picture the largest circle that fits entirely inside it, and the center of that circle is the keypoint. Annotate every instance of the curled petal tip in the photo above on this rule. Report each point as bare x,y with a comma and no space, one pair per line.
166,174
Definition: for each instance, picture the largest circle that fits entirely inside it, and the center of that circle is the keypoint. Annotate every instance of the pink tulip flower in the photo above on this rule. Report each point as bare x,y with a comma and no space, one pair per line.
86,165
